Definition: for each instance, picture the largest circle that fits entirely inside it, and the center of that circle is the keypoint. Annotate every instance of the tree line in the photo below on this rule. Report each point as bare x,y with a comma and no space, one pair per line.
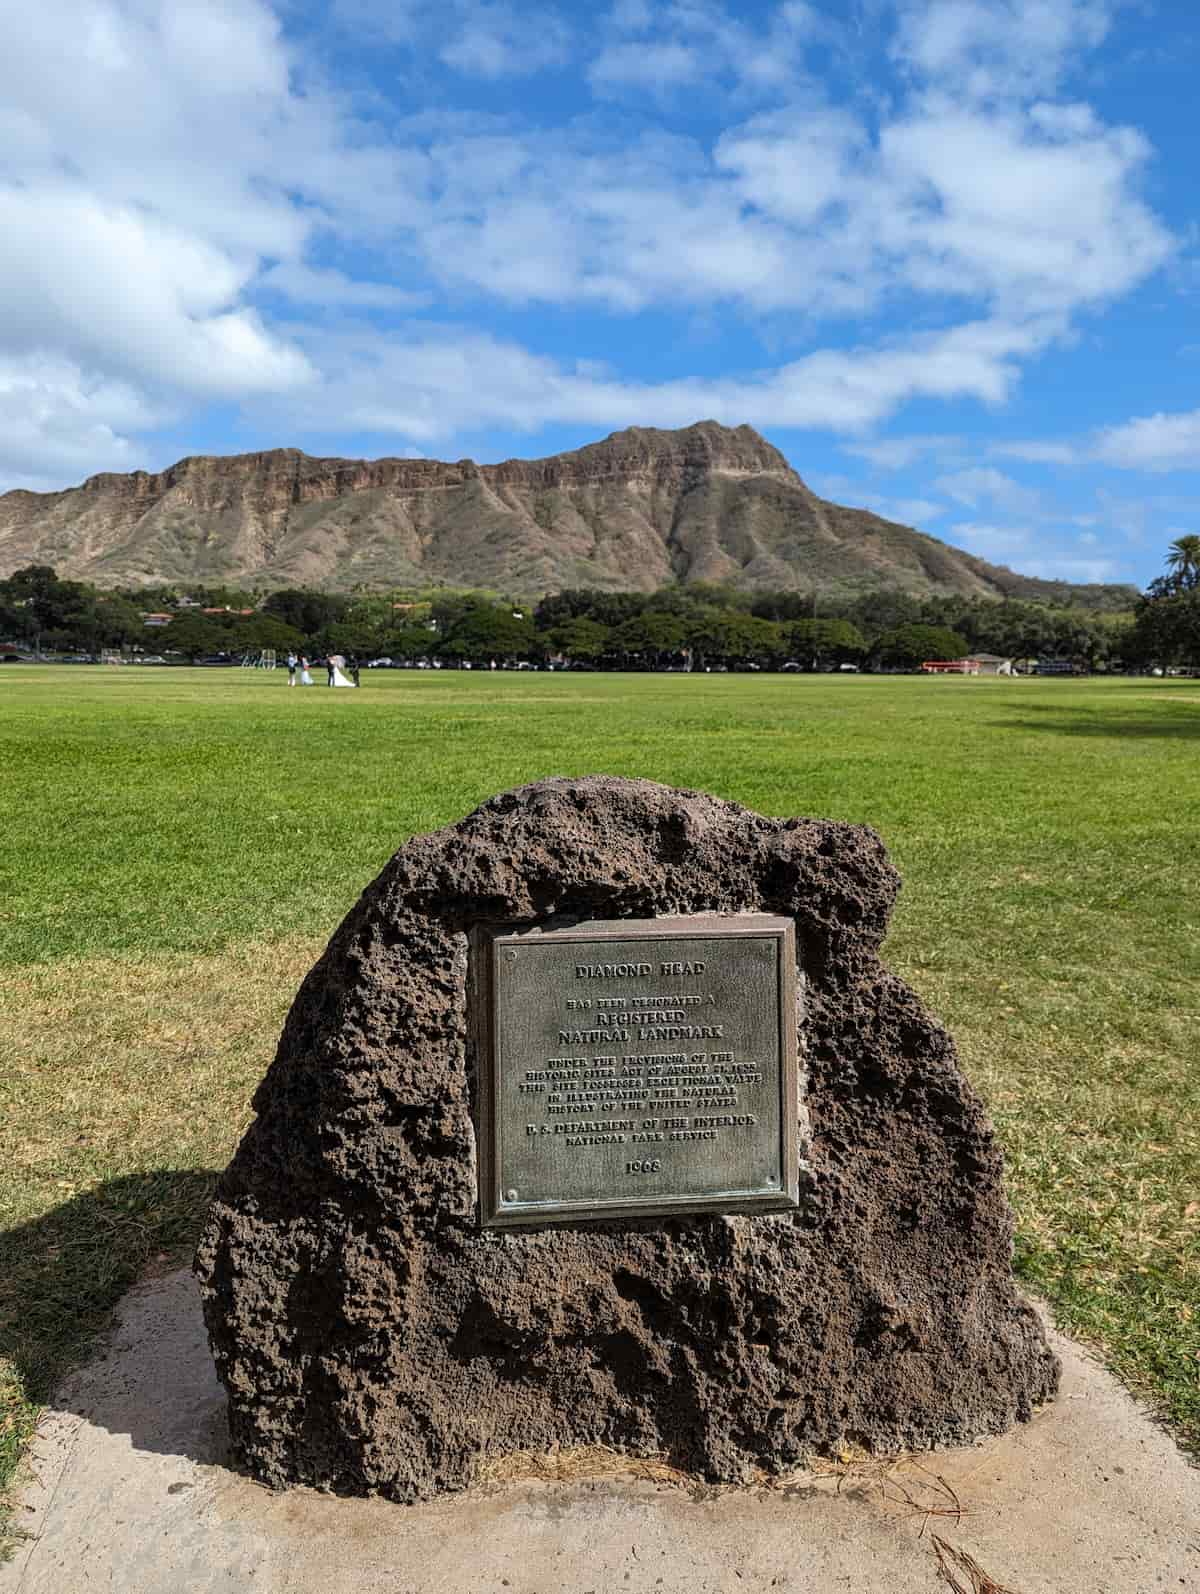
696,627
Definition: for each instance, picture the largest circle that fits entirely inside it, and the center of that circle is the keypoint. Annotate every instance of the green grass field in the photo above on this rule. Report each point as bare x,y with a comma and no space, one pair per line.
176,847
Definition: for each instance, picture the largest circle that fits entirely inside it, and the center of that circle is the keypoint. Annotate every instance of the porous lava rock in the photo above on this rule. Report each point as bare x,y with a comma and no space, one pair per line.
372,1338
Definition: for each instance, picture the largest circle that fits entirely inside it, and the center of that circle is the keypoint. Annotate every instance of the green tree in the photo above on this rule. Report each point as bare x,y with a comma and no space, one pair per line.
581,639
1166,628
485,631
193,634
410,641
821,643
309,612
652,637
884,610
1183,561
252,632
50,612
752,640
119,621
909,646
606,608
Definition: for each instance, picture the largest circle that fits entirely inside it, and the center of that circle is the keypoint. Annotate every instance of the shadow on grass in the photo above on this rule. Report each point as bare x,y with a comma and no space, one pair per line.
1182,724
62,1274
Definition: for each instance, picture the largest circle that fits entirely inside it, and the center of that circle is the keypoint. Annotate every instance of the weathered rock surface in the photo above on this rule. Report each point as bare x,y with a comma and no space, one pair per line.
639,510
372,1338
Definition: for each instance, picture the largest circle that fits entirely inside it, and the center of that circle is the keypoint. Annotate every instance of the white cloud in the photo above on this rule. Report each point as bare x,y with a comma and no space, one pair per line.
1037,452
1019,547
907,511
803,210
989,48
107,284
432,382
494,41
323,285
648,65
691,41
488,39
1152,442
1162,442
58,424
983,484
995,543
911,511
993,204
895,453
1069,567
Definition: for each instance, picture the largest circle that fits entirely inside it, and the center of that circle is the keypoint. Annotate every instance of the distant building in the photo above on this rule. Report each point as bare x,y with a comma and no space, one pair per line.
157,619
976,664
950,667
991,664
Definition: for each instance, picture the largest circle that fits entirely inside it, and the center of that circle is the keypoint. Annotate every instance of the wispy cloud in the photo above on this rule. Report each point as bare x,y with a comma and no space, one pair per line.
1152,442
1163,442
1036,451
488,39
996,49
895,453
660,48
1028,549
427,384
983,484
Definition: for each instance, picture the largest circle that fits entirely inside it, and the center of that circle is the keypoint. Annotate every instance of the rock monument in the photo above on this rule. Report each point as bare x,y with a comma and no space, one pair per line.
601,1122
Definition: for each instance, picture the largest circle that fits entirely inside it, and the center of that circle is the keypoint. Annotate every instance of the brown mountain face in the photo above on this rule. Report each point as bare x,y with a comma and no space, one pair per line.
640,510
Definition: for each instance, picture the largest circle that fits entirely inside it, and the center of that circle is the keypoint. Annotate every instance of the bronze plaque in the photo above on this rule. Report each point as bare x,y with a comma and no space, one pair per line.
638,1066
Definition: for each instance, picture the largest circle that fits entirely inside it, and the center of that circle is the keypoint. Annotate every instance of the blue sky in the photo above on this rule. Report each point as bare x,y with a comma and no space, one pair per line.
943,253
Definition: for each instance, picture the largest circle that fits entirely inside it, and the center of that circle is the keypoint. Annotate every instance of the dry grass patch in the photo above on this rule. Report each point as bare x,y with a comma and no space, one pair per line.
116,1065
124,1086
1089,1078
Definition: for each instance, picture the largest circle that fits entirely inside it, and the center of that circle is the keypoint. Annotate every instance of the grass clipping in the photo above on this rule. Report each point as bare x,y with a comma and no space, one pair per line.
951,1562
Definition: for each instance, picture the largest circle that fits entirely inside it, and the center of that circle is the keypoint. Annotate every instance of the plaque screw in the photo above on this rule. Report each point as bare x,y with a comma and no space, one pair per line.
772,1179
510,957
510,1195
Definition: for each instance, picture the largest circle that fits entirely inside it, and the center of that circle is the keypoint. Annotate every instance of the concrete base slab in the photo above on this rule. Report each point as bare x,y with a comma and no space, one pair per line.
130,1494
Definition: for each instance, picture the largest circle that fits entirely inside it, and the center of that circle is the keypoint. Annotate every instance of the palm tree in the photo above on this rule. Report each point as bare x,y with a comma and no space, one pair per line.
1183,559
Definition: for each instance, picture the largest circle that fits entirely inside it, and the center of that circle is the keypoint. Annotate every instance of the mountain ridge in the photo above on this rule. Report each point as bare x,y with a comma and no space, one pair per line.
642,508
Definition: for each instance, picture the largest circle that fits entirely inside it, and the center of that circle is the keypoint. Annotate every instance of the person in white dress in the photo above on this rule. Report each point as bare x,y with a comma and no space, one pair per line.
338,676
